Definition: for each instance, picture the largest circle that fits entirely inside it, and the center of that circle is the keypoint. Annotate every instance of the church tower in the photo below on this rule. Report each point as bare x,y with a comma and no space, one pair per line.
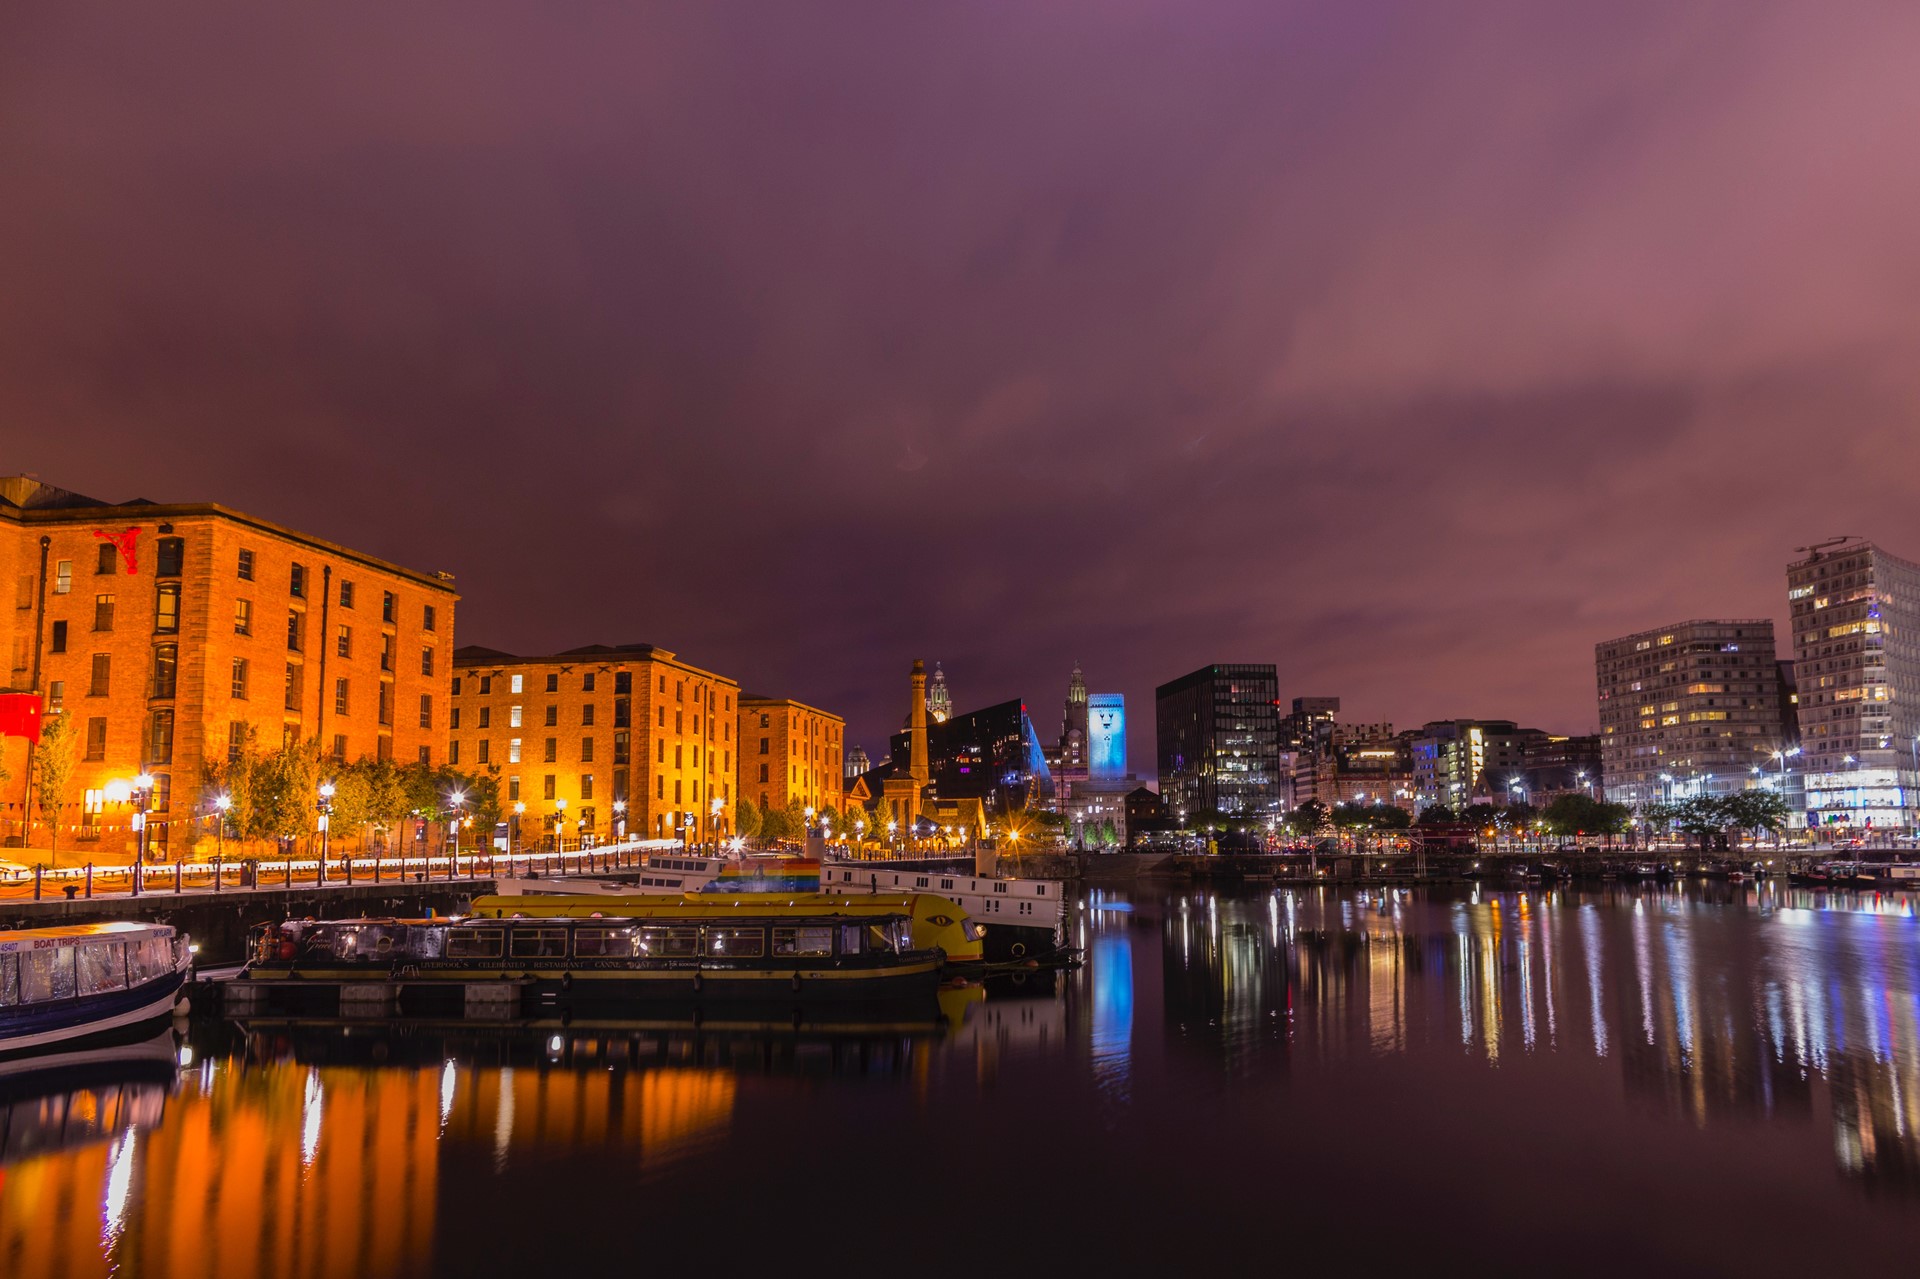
939,700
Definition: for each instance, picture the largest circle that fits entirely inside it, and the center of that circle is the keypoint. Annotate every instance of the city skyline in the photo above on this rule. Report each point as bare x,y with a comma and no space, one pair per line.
1281,339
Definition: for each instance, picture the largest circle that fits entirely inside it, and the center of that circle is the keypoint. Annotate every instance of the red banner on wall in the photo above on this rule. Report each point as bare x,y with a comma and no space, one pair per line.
127,542
20,715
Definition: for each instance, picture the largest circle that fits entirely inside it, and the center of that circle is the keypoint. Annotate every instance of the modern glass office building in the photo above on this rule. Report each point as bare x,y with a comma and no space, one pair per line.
1218,736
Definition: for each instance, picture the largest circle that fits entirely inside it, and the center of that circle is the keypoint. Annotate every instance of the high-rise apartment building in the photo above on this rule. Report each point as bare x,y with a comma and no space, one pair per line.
599,736
1688,709
1856,643
169,631
1460,762
1217,731
790,753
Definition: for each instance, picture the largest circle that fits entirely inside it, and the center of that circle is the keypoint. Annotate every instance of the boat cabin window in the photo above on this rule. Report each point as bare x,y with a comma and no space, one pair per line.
149,959
538,943
9,981
850,935
891,936
103,967
603,943
735,943
668,943
803,941
473,943
46,974
371,941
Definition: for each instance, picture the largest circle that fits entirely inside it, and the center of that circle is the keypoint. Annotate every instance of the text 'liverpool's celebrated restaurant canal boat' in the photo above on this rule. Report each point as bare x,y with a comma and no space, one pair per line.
59,985
424,966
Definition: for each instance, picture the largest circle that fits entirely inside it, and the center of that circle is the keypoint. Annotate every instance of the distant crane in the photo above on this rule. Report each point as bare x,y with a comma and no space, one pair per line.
1814,550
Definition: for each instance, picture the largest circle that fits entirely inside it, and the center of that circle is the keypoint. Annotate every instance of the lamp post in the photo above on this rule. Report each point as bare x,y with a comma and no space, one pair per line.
513,830
619,820
142,796
326,814
457,800
687,820
560,826
221,805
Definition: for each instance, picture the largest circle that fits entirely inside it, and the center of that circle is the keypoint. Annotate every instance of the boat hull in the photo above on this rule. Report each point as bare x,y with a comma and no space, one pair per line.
31,1028
427,990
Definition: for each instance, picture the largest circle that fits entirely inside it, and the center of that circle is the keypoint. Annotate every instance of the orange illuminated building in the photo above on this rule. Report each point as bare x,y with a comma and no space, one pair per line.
167,630
790,753
577,733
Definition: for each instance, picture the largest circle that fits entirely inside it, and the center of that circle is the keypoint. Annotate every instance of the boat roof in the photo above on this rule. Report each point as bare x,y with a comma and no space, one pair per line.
704,905
69,934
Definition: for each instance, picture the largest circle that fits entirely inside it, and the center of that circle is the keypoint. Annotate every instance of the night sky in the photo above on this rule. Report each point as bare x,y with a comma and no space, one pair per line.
1413,347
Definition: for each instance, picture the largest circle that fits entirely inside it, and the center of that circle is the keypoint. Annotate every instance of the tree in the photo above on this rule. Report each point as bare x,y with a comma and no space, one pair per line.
1751,810
53,761
1573,814
1482,815
286,788
746,819
387,800
1310,818
352,797
1437,815
234,777
1390,817
773,823
1700,816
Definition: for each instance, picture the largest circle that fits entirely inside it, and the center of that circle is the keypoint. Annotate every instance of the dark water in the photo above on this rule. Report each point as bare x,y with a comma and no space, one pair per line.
1719,1081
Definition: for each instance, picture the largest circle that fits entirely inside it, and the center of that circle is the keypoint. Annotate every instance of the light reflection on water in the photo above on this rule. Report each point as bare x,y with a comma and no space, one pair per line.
321,1151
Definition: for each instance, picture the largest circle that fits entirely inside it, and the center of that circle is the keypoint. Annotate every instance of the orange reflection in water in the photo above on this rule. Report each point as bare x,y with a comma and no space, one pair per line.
659,1113
283,1169
276,1170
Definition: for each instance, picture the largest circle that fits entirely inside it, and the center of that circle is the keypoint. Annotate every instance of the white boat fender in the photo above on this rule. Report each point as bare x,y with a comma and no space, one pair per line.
183,1007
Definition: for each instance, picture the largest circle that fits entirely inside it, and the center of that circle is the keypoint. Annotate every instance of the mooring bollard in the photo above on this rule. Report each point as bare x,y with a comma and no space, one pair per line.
219,875
89,880
37,871
179,868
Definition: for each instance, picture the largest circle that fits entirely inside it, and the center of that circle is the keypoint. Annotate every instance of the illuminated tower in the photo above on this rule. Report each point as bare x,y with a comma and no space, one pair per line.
1073,727
939,700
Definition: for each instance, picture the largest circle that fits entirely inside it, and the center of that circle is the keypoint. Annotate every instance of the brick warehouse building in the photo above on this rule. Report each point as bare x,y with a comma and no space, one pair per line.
790,752
165,629
594,727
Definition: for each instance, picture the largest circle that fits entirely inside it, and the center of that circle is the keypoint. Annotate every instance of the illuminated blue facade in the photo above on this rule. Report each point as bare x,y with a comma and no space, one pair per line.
1106,736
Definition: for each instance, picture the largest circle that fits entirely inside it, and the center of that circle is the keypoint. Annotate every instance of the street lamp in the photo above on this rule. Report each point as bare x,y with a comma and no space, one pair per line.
687,820
142,793
619,820
513,831
221,805
560,826
456,800
325,805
